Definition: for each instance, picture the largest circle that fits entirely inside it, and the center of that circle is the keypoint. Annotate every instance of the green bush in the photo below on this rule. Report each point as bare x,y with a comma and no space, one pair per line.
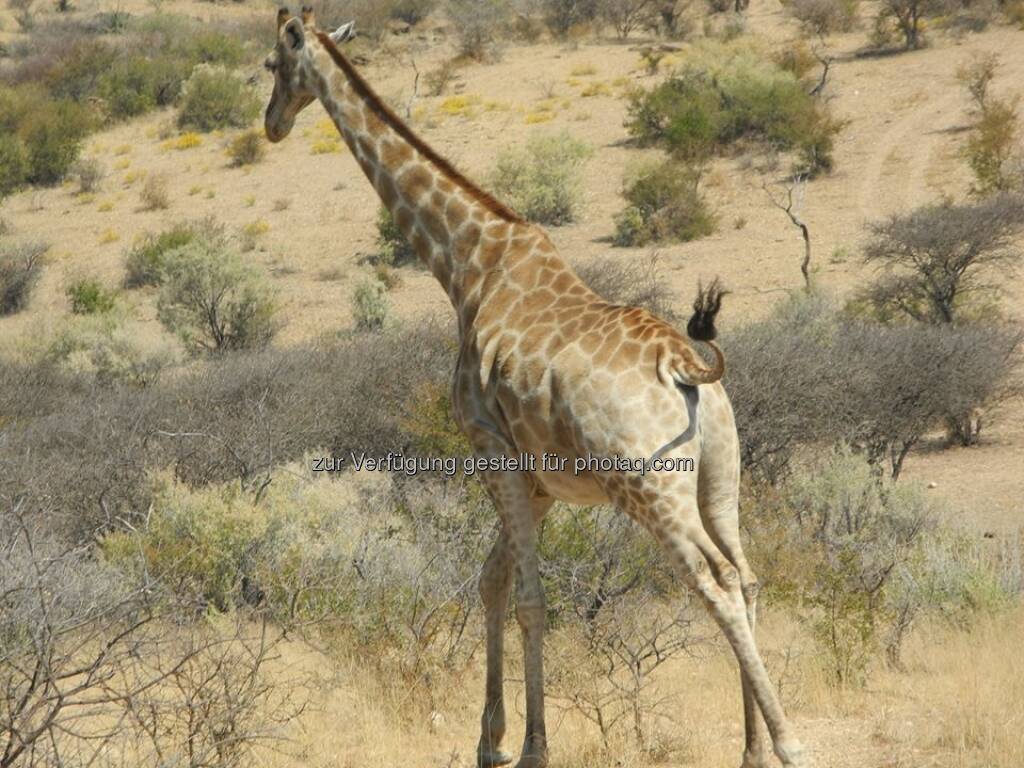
214,97
144,264
247,148
727,94
21,266
213,300
993,149
14,167
370,308
664,204
543,180
50,130
393,249
89,297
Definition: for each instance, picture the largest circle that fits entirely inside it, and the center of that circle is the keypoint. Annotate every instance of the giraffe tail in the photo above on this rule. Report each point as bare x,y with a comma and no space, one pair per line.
685,368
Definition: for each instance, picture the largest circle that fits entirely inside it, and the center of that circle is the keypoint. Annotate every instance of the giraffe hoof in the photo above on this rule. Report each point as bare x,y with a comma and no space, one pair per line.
492,759
792,755
755,760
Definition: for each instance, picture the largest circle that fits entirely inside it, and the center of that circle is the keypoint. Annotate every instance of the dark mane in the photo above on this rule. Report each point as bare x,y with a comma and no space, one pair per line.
384,112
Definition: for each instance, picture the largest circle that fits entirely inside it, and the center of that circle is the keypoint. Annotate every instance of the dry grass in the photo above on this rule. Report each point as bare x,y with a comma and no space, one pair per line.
961,704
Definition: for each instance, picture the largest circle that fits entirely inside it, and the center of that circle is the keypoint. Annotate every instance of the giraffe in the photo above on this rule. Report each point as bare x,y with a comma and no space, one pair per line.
546,367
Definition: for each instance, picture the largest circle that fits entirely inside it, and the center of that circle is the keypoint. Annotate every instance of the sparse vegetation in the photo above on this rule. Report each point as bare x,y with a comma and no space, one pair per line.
664,204
543,180
993,150
624,16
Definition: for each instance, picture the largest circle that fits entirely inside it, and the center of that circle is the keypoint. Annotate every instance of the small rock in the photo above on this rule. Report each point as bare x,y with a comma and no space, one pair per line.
933,484
436,720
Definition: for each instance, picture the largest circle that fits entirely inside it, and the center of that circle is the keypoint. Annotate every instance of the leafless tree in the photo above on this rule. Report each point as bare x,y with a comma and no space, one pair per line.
790,204
612,592
625,15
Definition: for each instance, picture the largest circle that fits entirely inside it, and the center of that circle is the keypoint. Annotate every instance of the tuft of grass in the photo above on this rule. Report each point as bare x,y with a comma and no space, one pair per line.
106,206
109,236
583,70
536,118
463,105
187,140
251,233
596,89
326,146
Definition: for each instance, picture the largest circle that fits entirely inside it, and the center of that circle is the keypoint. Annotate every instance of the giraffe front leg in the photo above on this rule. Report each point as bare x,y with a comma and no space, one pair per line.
495,585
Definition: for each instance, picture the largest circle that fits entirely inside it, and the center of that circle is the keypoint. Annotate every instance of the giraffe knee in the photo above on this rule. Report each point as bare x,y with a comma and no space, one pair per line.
728,577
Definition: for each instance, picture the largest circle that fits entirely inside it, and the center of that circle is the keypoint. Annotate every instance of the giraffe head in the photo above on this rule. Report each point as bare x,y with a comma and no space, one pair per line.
291,63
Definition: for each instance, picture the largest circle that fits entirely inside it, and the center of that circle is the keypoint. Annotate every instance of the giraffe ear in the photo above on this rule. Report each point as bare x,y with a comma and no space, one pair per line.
294,35
344,33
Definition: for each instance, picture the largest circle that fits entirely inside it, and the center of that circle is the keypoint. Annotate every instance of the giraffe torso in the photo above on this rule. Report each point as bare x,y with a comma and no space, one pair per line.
558,370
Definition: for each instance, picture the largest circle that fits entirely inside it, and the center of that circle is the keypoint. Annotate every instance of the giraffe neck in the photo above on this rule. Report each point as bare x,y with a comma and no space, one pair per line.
442,214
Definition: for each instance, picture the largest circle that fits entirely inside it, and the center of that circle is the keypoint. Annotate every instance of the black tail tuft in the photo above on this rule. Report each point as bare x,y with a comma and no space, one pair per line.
705,307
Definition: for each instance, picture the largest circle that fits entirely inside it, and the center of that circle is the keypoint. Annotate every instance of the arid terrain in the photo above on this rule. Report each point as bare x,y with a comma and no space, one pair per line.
960,700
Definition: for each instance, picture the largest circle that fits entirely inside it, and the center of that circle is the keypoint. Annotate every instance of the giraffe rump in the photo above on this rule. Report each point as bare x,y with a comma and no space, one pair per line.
701,326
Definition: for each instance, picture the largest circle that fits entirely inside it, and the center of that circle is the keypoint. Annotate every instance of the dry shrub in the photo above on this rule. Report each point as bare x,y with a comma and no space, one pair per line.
154,194
891,386
21,266
478,25
825,17
234,418
561,16
247,148
133,678
631,283
89,173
